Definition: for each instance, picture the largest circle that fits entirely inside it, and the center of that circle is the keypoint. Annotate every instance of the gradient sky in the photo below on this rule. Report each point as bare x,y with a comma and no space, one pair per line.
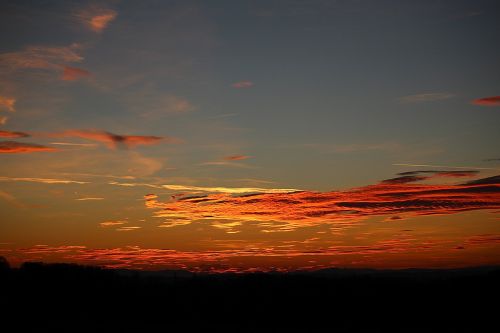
250,135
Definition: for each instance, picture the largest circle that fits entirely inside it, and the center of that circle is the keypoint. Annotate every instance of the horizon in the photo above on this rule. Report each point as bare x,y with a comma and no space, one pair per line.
244,136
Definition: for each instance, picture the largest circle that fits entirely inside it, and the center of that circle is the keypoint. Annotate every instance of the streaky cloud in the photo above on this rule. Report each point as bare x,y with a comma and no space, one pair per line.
487,101
426,97
13,147
41,180
7,103
341,208
114,140
9,134
73,73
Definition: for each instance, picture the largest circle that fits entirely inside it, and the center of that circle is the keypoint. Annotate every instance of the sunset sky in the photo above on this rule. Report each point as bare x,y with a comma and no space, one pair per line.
245,135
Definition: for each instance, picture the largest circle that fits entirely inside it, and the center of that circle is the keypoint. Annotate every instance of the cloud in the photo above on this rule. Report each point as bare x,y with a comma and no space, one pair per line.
228,163
243,84
442,173
231,256
232,190
9,134
114,140
3,120
442,166
236,157
7,103
41,180
128,228
40,57
13,147
111,223
74,144
73,73
427,97
89,199
97,18
487,101
11,199
339,208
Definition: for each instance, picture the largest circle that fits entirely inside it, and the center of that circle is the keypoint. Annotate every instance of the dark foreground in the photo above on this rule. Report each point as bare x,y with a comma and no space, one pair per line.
71,298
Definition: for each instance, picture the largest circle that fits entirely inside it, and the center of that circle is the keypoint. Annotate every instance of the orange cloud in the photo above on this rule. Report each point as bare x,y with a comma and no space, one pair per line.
7,103
236,157
487,101
243,84
96,18
111,223
40,57
42,180
340,208
3,120
114,140
9,134
232,257
73,73
13,147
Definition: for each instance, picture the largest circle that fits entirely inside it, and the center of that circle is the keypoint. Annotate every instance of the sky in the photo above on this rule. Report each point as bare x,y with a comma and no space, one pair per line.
237,136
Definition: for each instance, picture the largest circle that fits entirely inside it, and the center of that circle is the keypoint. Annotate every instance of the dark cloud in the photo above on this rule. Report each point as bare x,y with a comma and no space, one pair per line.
9,134
13,147
114,140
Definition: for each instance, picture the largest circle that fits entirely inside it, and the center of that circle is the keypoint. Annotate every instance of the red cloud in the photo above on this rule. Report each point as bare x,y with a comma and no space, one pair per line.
236,157
243,84
7,103
12,147
302,209
9,134
97,18
114,140
487,101
73,73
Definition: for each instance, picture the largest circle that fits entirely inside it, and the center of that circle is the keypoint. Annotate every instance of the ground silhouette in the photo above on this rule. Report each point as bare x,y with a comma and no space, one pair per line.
40,297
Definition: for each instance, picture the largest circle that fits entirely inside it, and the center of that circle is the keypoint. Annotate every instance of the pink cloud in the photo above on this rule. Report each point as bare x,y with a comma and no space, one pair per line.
243,84
12,147
73,73
236,157
9,134
114,140
487,101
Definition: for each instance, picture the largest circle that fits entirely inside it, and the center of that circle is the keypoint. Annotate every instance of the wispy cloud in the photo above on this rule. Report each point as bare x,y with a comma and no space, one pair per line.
7,103
13,147
234,190
9,134
228,163
442,166
236,157
132,228
114,140
243,84
97,18
487,101
398,196
11,199
426,97
112,223
73,73
74,144
41,180
40,57
89,199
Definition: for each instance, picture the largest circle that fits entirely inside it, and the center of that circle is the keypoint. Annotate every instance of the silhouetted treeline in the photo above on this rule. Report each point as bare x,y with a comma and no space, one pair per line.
65,297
